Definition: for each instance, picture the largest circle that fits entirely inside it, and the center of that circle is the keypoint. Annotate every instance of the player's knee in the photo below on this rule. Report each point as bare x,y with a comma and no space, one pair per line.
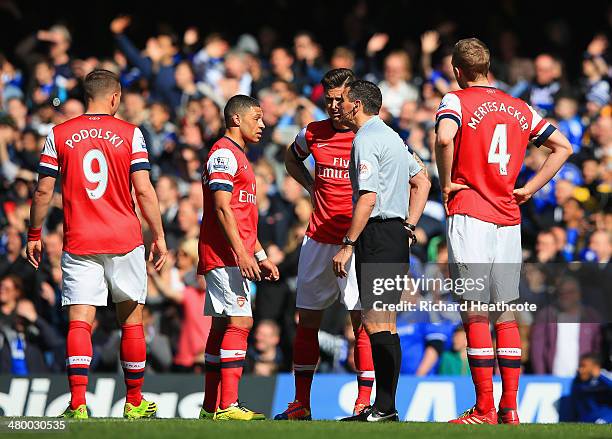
309,318
241,322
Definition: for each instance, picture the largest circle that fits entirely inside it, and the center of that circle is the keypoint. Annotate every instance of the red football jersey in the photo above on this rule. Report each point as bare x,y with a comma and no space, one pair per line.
333,205
227,169
95,154
494,130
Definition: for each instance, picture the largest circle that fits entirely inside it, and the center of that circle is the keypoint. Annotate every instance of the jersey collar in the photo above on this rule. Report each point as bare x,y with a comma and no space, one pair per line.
232,140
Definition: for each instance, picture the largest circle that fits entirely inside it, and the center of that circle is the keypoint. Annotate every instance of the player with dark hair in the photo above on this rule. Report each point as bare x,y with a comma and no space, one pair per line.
329,142
482,135
230,257
100,159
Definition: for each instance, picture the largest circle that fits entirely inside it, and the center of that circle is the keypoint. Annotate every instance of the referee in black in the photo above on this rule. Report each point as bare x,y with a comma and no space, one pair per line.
390,190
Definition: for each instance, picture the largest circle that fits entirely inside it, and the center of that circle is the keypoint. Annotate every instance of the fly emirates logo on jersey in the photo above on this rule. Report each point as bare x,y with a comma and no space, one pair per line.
492,106
94,133
338,169
246,196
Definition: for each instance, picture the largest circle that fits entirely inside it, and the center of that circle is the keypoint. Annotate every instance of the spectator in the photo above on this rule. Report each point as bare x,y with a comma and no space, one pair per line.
396,88
591,395
542,92
14,262
264,357
563,332
454,361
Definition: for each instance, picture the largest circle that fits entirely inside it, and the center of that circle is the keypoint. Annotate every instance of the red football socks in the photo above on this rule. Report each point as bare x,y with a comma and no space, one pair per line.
133,361
481,360
364,365
78,358
305,360
232,353
212,379
509,360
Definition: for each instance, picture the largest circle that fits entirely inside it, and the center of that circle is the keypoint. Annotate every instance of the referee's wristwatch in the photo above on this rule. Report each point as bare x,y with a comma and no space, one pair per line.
411,228
347,241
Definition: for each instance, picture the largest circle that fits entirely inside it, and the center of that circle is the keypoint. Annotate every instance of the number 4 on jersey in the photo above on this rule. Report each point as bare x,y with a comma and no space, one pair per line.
498,151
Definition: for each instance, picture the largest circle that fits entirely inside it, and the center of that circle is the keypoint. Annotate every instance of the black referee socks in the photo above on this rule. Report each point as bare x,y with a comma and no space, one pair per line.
387,356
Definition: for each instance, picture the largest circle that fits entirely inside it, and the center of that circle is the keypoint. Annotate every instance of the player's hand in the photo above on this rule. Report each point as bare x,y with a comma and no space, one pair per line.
249,268
269,270
34,252
120,24
522,195
158,252
377,42
341,259
446,192
430,41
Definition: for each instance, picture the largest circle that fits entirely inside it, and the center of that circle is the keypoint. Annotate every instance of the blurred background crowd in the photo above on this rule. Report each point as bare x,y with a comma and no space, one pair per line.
176,81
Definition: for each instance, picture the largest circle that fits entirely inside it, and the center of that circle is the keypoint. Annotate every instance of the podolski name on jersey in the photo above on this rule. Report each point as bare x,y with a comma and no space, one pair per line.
94,133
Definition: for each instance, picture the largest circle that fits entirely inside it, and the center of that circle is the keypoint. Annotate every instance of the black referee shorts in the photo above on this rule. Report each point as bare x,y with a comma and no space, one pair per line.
381,252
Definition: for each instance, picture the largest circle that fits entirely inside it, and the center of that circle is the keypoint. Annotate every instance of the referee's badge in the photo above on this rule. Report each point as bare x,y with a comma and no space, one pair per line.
365,170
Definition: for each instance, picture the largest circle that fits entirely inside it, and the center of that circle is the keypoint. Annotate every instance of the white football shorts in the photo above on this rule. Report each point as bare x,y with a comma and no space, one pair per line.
487,253
317,285
87,279
228,294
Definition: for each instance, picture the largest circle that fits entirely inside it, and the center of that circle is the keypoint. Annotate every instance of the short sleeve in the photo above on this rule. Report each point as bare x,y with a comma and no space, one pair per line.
450,108
221,169
48,164
366,165
300,145
540,129
413,166
140,155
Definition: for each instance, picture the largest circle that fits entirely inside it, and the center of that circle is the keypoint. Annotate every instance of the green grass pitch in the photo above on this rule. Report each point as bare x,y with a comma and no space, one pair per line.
187,428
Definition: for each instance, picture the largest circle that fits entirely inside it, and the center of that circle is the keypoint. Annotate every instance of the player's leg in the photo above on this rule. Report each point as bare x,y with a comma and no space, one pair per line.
349,296
471,244
127,279
363,363
212,360
317,289
83,288
78,356
505,279
509,361
305,360
237,307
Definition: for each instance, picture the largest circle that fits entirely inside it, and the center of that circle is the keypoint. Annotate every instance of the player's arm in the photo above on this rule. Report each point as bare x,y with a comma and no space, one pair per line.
225,215
296,168
445,137
38,212
149,206
561,150
268,269
295,155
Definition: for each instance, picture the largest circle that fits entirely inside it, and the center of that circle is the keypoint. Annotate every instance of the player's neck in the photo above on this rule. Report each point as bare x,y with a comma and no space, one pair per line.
95,108
482,82
236,138
340,127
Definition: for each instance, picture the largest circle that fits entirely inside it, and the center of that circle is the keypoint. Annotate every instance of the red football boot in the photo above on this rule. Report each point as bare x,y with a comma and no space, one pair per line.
471,417
507,416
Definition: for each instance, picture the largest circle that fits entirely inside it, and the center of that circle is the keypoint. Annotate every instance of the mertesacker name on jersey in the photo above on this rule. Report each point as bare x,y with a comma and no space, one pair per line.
94,133
489,106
